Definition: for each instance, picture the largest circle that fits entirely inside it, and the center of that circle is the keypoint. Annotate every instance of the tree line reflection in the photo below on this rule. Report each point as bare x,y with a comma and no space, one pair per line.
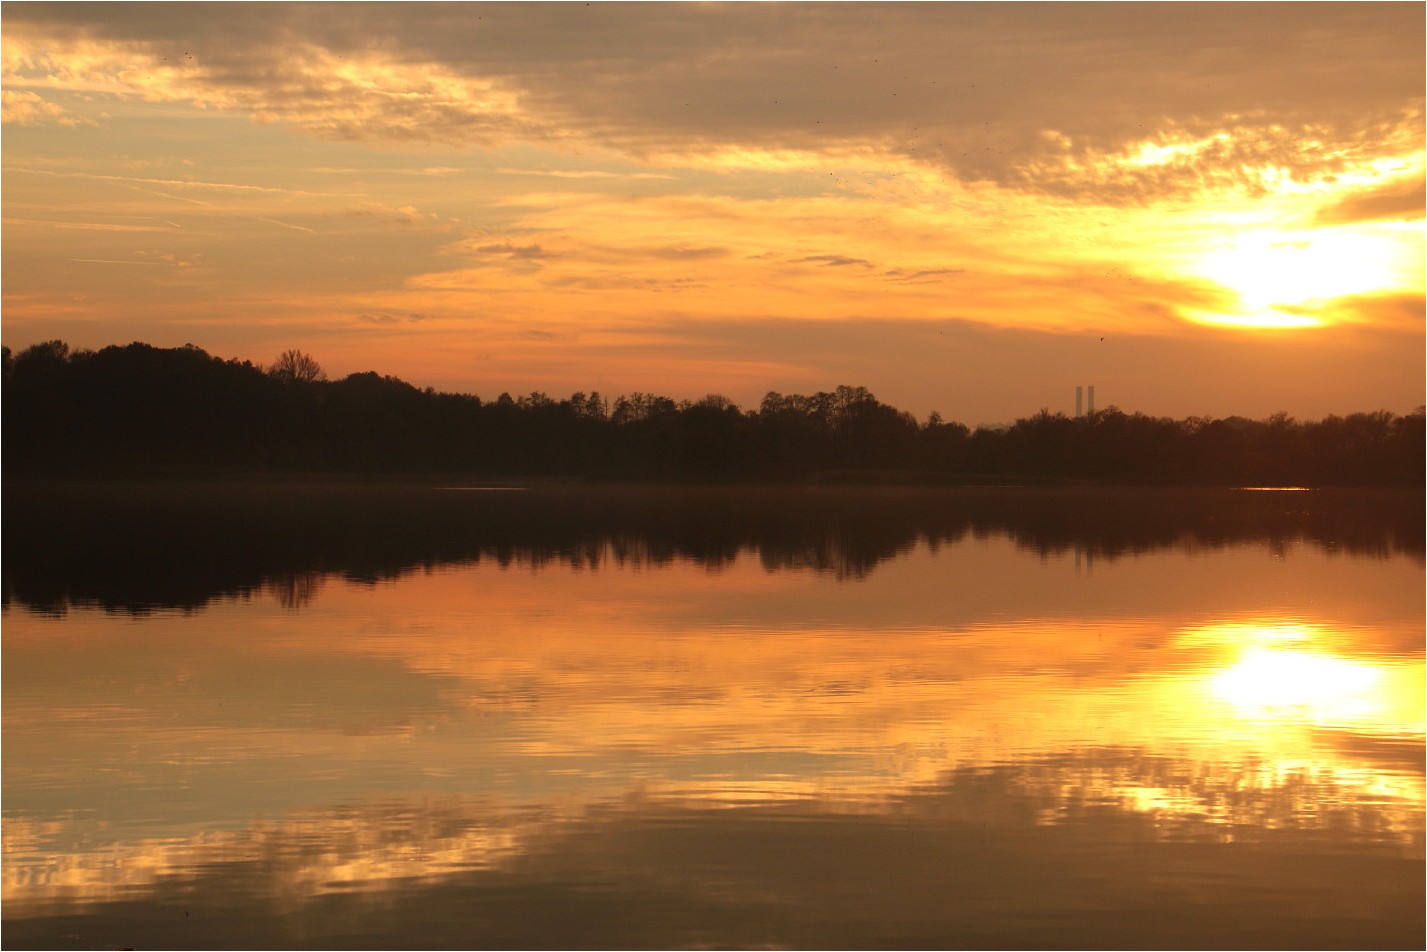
140,547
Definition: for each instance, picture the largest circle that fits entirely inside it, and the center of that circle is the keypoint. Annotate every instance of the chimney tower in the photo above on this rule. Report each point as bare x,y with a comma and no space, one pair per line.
1079,400
1092,399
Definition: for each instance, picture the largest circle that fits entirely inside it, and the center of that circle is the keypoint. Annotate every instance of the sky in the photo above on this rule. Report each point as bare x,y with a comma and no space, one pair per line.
1199,209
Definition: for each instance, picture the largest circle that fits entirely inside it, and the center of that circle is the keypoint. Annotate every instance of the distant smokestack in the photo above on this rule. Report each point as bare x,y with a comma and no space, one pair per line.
1078,400
1092,400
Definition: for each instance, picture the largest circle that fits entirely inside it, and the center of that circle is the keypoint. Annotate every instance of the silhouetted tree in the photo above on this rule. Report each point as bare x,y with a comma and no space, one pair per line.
143,409
295,365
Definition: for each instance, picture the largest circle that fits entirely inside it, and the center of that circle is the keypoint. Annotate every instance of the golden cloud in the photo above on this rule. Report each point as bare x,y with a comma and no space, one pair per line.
1123,104
28,109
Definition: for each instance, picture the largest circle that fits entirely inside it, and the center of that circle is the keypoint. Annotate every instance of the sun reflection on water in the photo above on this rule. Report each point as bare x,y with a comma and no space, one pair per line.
1291,672
1302,684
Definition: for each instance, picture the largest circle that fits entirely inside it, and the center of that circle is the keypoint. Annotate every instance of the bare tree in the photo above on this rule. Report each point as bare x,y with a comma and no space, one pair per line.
295,365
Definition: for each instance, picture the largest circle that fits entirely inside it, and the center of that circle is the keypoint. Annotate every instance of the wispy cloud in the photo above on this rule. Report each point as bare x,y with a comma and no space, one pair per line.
586,174
925,274
682,252
513,251
380,211
834,261
430,171
284,224
387,317
152,264
86,225
176,183
177,198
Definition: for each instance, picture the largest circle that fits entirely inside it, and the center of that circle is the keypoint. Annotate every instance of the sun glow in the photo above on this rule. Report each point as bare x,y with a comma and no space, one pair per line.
1274,273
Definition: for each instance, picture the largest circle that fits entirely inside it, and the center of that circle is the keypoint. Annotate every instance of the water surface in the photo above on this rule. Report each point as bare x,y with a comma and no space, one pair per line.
841,719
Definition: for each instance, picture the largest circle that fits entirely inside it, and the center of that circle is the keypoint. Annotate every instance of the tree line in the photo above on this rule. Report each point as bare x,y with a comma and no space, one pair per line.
145,410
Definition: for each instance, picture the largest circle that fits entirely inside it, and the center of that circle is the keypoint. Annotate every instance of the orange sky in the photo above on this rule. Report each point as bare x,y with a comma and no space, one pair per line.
1199,208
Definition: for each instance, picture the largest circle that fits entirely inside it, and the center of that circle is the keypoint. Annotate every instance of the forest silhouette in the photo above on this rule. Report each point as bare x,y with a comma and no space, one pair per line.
140,410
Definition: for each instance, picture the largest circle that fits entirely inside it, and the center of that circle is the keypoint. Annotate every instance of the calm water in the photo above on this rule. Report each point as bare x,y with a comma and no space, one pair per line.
378,718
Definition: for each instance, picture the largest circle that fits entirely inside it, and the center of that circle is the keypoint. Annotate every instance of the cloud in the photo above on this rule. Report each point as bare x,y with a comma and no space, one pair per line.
924,275
114,261
284,224
1121,102
1247,155
171,259
430,171
171,197
174,183
524,252
388,317
834,261
1400,200
1033,262
23,108
386,214
1391,311
586,174
682,253
86,225
624,282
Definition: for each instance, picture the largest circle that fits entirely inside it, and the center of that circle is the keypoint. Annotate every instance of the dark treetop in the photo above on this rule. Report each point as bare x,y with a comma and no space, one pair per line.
143,410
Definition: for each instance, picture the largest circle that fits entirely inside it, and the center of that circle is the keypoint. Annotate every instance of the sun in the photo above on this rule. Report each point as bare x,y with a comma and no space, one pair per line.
1276,274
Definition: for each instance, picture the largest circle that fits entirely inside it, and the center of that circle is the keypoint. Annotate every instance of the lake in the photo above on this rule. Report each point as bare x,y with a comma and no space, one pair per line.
306,716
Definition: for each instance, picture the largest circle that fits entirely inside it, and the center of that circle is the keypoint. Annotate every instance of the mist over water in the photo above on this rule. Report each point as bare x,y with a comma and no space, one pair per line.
583,718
